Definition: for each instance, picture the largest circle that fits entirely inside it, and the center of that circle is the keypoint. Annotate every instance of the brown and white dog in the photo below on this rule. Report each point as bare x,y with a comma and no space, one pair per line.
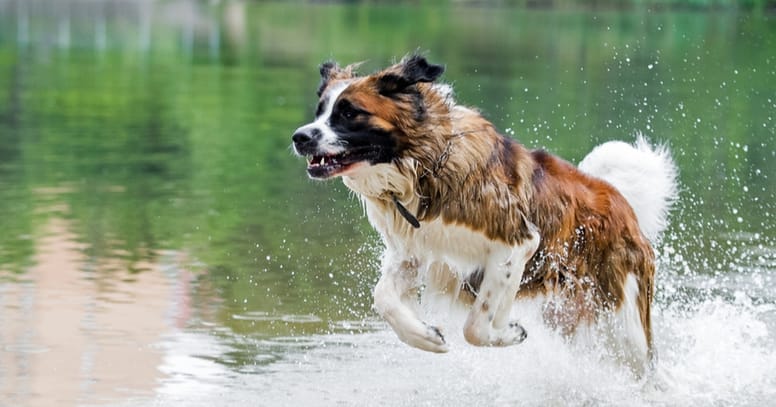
468,212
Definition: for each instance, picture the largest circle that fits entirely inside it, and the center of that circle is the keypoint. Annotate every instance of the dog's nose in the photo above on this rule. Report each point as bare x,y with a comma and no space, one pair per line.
301,137
306,134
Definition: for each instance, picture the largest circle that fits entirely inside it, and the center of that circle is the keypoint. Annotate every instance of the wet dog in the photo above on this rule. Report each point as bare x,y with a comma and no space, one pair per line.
476,215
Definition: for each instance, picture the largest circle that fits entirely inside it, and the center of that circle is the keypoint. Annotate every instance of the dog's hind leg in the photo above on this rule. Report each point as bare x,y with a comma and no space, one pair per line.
488,321
393,295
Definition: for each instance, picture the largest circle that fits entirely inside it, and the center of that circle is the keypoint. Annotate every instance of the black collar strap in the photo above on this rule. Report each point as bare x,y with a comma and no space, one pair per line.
405,213
437,167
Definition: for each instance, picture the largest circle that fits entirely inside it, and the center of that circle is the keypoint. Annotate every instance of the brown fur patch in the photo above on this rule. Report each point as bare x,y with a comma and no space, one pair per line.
590,242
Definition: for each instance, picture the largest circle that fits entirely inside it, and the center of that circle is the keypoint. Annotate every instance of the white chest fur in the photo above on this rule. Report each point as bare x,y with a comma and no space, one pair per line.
412,254
463,249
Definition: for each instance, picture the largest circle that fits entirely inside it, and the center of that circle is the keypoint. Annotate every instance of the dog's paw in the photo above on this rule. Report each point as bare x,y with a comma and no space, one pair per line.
423,336
519,332
512,334
433,340
436,335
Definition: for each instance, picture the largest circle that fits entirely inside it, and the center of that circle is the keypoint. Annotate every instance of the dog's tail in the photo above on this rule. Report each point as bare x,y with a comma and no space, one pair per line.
644,175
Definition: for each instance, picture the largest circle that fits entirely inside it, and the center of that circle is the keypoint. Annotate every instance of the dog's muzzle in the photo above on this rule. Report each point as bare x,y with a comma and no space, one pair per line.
306,140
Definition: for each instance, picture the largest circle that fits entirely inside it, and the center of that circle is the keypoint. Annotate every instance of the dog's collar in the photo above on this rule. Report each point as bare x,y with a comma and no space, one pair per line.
405,212
434,171
441,161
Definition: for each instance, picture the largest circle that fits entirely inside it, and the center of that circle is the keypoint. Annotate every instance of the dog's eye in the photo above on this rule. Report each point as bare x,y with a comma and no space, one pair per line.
347,111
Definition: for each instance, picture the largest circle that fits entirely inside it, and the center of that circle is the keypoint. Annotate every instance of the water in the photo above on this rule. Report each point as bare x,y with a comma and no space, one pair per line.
162,246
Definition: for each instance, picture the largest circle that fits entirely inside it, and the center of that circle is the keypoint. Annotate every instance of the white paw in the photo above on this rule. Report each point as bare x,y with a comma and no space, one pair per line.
512,334
425,337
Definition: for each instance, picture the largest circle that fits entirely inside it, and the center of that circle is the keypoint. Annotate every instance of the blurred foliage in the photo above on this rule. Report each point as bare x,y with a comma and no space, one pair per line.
168,129
674,5
598,5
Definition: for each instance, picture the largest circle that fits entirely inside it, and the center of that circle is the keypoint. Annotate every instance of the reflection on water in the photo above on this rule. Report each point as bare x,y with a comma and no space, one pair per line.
71,333
161,245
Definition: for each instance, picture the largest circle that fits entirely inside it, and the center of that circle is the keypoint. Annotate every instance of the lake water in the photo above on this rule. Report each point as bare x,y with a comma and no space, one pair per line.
161,245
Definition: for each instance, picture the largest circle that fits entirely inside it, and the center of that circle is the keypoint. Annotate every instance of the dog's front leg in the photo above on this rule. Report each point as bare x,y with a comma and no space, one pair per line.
393,298
488,321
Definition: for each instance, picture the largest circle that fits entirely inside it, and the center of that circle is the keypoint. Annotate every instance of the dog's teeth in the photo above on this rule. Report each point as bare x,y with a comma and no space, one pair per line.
323,160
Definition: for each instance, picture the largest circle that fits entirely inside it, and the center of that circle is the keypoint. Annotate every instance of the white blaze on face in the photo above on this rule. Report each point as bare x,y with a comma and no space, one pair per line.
329,142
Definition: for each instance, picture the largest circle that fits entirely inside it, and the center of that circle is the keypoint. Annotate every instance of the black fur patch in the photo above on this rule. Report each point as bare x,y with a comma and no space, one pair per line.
356,132
326,69
420,107
319,108
507,157
541,157
417,69
414,69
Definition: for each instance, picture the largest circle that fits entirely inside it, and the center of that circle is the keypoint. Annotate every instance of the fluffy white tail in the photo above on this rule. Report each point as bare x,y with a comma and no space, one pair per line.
644,175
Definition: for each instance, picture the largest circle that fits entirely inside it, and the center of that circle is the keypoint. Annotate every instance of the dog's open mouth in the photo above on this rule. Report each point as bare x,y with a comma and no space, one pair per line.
326,166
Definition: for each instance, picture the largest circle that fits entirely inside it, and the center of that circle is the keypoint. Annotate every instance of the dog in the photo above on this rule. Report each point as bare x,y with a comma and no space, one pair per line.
475,215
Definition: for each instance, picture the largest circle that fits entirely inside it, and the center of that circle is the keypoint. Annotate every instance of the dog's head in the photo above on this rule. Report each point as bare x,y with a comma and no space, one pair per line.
363,121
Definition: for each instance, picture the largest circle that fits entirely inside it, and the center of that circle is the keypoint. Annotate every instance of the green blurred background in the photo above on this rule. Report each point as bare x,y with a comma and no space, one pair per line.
164,127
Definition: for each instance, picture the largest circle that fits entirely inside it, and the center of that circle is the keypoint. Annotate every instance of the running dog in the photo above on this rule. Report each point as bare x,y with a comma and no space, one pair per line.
468,212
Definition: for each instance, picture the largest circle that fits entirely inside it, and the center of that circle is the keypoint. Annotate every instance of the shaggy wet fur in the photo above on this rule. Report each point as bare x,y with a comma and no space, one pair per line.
457,201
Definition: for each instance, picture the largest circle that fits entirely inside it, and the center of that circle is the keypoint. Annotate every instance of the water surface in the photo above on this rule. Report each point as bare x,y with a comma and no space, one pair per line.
161,244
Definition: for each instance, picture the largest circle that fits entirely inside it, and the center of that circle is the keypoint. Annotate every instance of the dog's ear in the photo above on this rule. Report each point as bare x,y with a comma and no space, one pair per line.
330,70
408,72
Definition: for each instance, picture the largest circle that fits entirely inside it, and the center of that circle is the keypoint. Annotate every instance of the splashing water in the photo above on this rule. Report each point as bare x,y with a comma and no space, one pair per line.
714,336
